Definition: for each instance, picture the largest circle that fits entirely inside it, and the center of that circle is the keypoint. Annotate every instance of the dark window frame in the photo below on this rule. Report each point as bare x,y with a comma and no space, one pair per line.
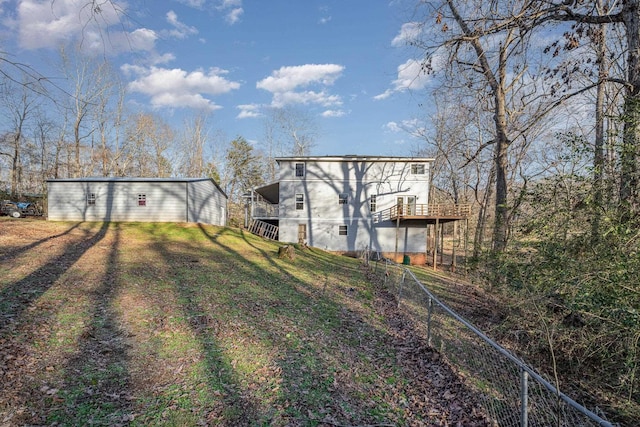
418,169
373,203
299,201
91,199
343,198
300,170
343,230
142,200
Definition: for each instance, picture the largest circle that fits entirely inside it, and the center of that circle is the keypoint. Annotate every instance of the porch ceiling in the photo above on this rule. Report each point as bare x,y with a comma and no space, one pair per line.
270,192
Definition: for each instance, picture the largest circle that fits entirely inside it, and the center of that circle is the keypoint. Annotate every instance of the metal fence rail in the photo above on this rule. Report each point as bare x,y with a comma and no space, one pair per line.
512,393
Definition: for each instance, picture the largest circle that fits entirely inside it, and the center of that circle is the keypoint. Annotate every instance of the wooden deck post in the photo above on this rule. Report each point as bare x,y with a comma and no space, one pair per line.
395,257
453,247
435,244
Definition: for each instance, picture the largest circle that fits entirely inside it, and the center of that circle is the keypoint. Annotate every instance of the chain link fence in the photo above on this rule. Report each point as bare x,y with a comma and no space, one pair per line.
512,393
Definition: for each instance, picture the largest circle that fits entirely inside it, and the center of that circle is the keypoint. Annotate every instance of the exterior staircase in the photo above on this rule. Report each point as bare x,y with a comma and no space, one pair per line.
263,229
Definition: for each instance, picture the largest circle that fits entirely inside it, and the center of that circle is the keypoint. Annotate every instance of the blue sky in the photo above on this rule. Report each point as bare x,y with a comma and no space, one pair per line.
342,62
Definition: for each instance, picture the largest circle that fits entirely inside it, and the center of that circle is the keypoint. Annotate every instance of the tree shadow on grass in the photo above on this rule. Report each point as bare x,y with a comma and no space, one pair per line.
18,296
19,327
230,405
96,388
15,252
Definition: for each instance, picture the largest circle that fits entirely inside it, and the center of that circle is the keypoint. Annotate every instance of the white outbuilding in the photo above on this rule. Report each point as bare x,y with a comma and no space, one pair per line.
197,200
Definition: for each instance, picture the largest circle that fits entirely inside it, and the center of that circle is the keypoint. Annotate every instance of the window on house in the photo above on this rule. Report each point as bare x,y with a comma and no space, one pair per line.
343,198
299,201
373,205
91,199
142,200
417,169
343,230
300,169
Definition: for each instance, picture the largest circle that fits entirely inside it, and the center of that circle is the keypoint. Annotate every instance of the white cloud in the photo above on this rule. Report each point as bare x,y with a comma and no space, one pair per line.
234,16
408,33
285,84
333,113
248,111
180,30
392,127
289,78
412,127
47,24
232,9
178,88
196,4
411,76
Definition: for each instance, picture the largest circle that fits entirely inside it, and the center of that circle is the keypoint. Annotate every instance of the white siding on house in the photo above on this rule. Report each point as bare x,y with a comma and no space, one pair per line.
207,204
325,179
121,200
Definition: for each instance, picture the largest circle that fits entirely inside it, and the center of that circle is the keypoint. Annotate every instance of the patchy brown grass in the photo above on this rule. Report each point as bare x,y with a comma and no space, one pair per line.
174,324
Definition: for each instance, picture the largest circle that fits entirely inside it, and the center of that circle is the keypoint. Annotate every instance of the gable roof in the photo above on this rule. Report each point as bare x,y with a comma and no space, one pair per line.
355,157
136,179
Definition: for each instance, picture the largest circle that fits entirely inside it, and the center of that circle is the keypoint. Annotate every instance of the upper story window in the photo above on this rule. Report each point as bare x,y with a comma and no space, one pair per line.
91,199
417,169
300,169
343,198
299,201
142,200
373,203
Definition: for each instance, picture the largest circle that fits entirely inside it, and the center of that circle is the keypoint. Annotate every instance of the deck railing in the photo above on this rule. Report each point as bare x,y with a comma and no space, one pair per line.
441,210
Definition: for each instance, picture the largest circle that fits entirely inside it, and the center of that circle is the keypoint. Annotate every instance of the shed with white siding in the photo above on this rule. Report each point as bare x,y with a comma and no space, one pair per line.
198,200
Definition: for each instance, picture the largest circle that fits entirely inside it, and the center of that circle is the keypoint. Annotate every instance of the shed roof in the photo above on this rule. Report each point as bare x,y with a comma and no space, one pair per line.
135,179
354,157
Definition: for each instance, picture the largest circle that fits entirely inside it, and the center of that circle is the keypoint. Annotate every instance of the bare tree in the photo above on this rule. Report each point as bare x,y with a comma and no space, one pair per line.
192,146
90,81
288,131
149,139
19,103
483,49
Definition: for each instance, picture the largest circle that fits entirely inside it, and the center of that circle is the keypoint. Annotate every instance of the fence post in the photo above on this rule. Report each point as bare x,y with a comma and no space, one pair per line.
404,273
386,271
430,306
524,398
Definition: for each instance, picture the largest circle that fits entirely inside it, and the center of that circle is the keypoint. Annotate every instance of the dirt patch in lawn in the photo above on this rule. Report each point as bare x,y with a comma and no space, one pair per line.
169,324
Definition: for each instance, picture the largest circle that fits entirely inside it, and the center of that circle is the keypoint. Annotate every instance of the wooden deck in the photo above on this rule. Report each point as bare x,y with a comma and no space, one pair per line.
427,213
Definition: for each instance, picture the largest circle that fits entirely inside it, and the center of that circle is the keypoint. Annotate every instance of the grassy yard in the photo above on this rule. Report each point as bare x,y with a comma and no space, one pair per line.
174,324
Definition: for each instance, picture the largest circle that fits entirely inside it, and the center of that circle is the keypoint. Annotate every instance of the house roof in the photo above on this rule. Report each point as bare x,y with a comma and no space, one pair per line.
354,157
135,179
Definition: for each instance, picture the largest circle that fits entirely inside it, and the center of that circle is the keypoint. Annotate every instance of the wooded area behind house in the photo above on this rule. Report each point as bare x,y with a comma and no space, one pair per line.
536,124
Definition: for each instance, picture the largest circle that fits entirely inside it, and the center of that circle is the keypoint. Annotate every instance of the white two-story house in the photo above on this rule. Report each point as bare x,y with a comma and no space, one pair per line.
350,203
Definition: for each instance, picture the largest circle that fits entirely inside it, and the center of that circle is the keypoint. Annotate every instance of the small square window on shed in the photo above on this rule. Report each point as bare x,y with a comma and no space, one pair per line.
343,230
417,169
91,199
343,198
300,169
142,200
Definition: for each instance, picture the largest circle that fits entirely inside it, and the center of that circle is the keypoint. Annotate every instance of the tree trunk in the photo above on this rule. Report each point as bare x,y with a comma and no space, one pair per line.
598,146
629,179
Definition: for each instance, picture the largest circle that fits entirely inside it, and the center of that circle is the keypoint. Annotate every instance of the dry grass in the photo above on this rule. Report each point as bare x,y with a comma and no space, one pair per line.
174,324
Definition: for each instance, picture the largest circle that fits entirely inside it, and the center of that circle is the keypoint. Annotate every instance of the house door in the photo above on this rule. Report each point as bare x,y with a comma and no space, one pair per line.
406,204
411,205
302,233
